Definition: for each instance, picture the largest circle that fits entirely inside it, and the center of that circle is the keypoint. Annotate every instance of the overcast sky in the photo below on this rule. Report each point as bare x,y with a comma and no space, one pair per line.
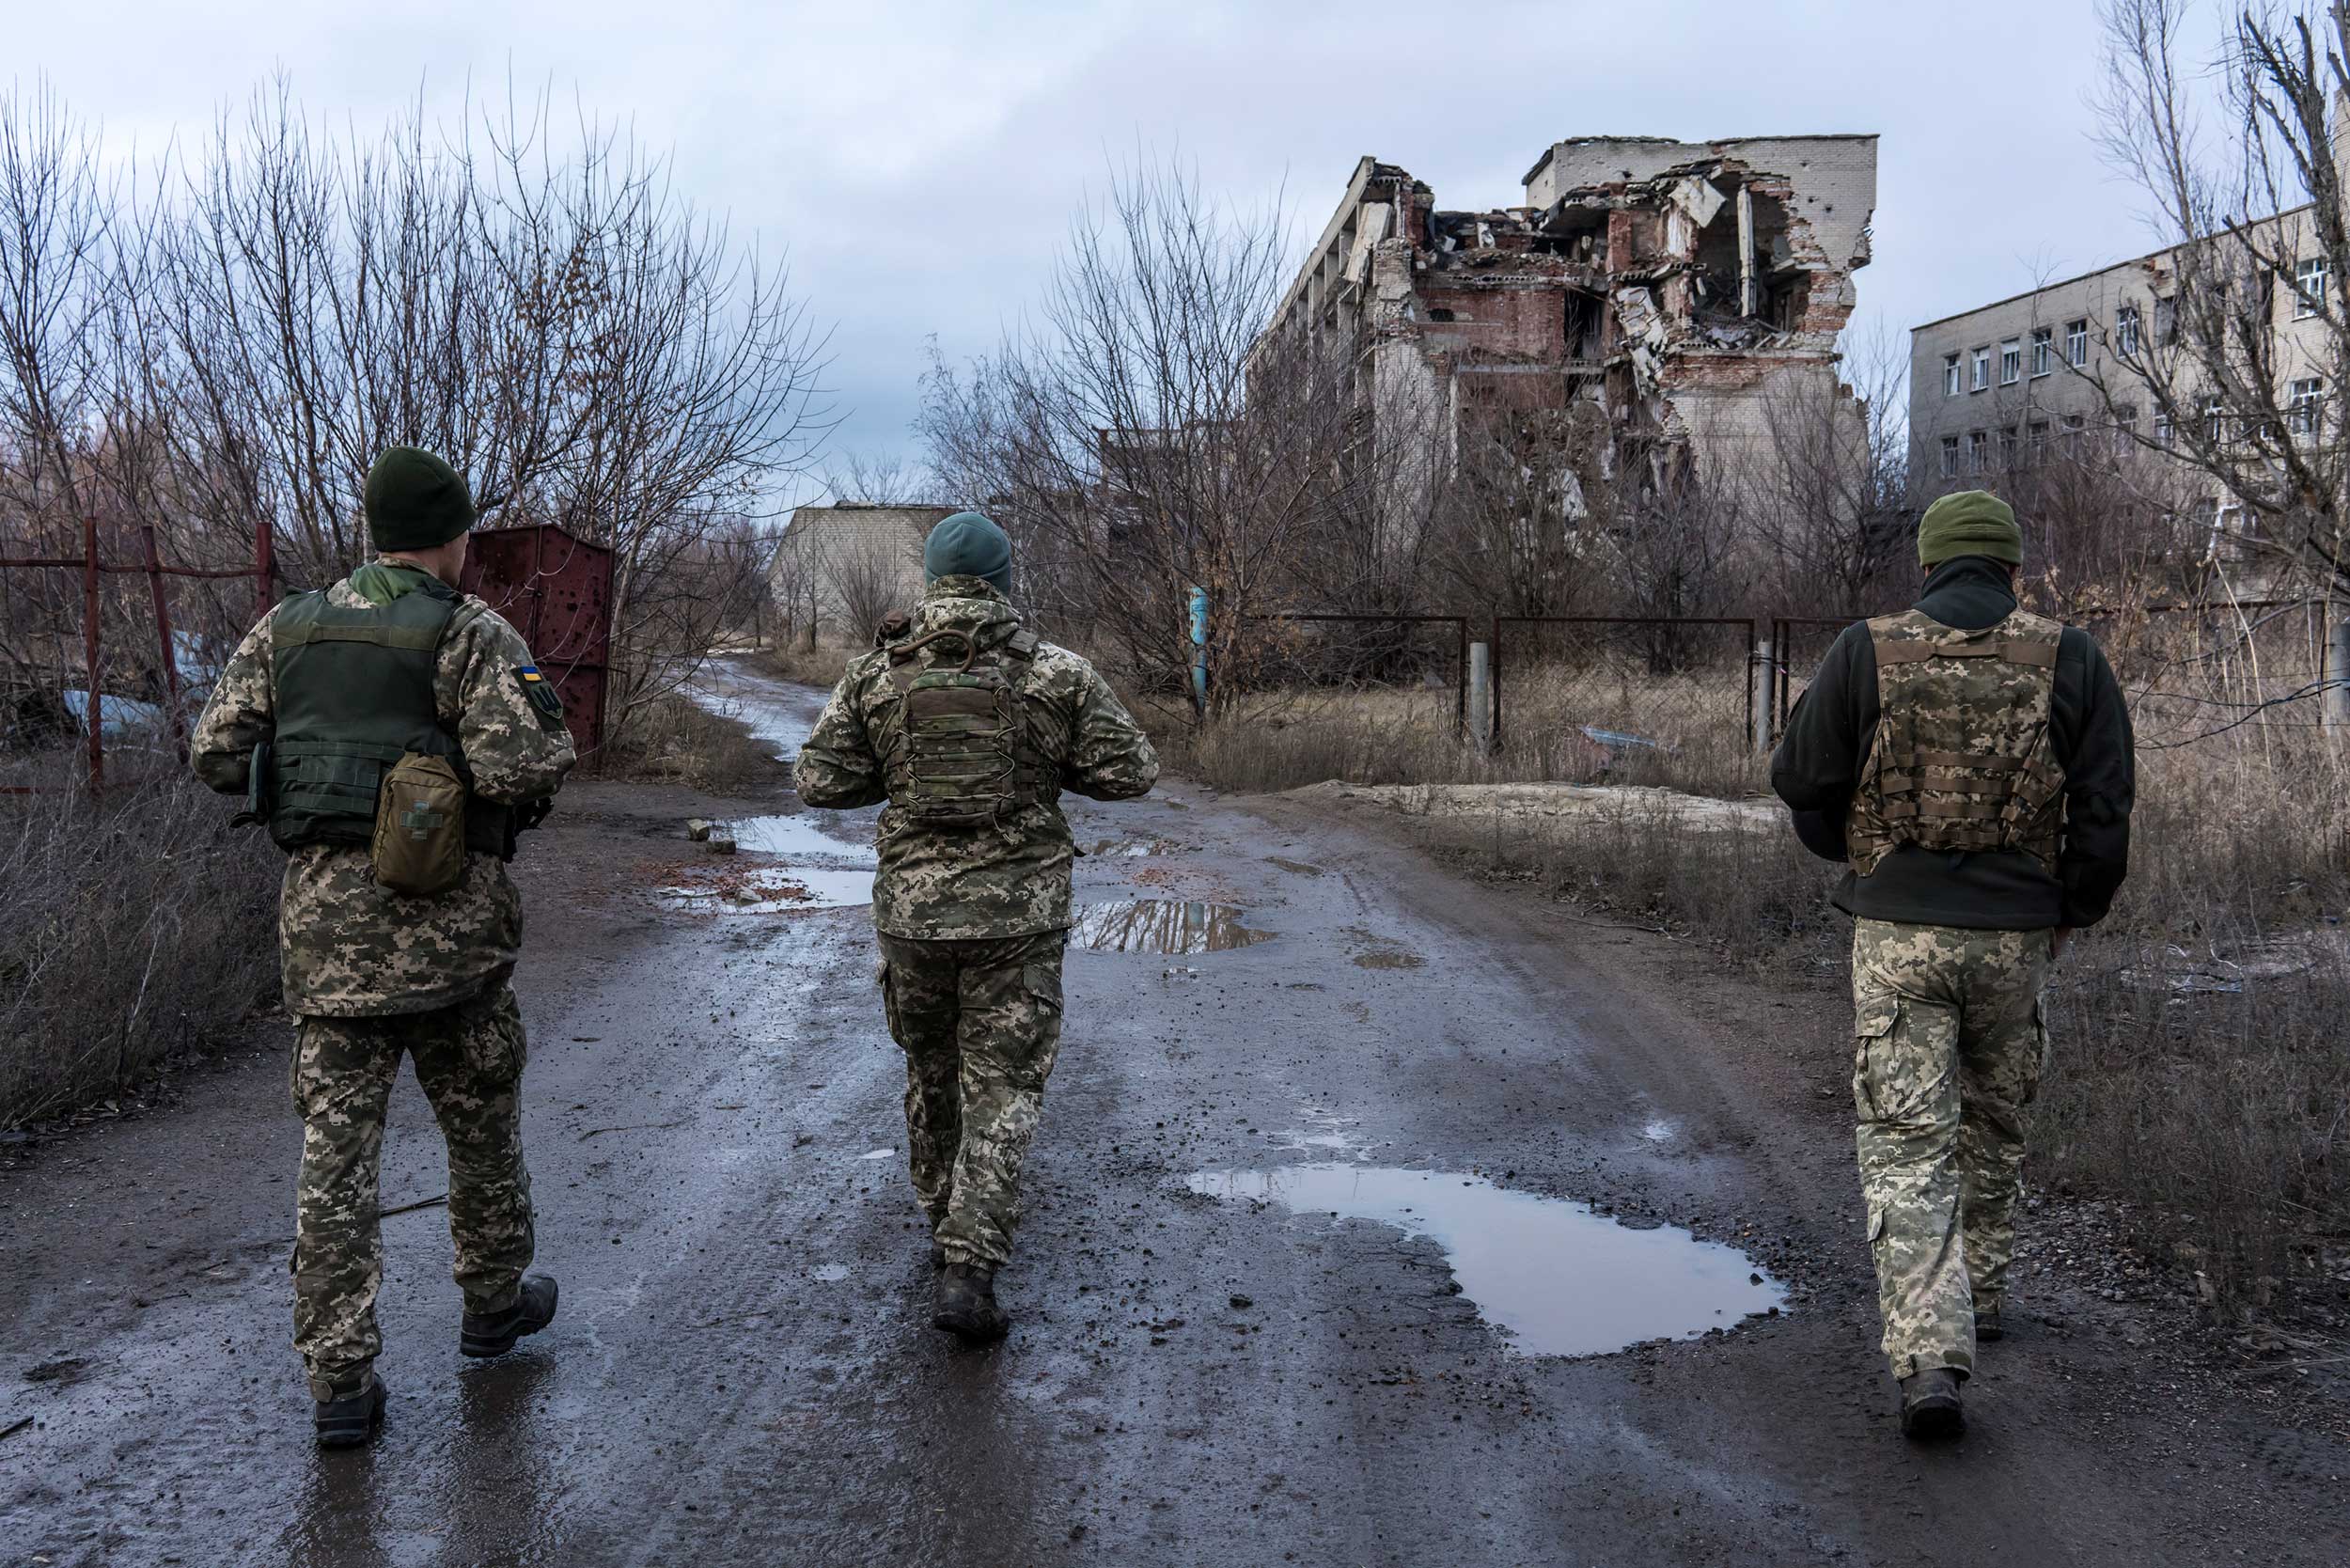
921,162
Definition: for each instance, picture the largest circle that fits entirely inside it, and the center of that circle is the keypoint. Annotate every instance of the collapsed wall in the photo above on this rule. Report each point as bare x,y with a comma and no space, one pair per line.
1649,291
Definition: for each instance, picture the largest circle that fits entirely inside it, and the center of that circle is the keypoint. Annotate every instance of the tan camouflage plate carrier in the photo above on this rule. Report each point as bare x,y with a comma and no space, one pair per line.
1963,760
955,748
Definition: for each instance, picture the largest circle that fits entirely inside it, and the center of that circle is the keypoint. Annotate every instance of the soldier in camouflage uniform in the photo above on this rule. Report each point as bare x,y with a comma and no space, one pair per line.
1973,763
970,728
317,704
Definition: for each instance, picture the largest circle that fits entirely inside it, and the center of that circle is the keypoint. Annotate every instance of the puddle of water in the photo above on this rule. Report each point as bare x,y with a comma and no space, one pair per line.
1556,1278
777,891
1123,848
1388,959
831,1274
1328,1135
1162,926
803,837
877,1154
776,713
1659,1131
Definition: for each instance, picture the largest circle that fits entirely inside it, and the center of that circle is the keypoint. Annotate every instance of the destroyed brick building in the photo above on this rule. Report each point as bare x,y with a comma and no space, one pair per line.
1648,294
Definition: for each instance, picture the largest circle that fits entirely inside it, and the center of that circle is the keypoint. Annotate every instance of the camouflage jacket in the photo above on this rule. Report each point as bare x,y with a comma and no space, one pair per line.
348,947
1011,878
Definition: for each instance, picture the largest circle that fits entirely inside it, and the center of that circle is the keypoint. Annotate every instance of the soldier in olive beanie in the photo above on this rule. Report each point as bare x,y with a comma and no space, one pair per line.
414,501
1969,523
969,545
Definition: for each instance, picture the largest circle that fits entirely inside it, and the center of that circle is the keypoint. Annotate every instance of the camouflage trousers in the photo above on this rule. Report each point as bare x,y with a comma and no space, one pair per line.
1950,1039
980,1023
469,1061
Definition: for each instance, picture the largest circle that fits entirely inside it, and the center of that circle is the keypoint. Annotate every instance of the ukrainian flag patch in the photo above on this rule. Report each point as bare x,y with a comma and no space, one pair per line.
541,691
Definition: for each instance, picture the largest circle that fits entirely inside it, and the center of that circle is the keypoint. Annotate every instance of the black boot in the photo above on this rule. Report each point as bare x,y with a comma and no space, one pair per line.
966,1304
1988,1328
1930,1406
494,1333
350,1420
938,1254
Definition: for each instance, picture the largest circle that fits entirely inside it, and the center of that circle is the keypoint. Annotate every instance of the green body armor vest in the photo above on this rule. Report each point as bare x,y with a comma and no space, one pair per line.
959,756
353,693
1963,758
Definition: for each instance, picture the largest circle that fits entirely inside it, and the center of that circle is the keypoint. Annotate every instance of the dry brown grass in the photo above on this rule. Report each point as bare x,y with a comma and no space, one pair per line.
812,666
133,930
677,741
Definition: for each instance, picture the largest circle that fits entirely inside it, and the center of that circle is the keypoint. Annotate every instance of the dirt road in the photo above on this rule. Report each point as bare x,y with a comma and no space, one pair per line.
1306,1278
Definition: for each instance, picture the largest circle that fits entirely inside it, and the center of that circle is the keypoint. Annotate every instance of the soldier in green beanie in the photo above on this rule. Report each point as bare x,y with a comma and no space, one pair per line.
402,732
970,727
1972,763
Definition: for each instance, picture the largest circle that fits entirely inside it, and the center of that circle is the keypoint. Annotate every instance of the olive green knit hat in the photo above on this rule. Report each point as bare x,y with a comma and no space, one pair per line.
1969,523
416,501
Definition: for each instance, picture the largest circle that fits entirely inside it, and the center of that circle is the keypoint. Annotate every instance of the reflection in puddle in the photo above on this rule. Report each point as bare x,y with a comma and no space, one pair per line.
775,891
1557,1278
1326,1133
1123,848
1162,926
802,836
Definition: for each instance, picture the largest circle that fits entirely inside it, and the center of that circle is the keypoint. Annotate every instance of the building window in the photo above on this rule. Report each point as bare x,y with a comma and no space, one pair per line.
1977,444
2163,433
2310,275
1949,375
2010,361
2076,342
2166,322
1949,457
2303,404
2039,441
1983,369
2042,351
2215,420
2124,427
2007,452
2073,425
2126,331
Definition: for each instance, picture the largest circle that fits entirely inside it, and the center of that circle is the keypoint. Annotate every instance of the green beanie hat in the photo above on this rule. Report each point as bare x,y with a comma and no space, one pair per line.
969,545
1969,523
416,501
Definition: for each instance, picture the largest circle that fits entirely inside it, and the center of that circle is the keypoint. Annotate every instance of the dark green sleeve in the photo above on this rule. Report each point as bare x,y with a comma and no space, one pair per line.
1817,765
2090,720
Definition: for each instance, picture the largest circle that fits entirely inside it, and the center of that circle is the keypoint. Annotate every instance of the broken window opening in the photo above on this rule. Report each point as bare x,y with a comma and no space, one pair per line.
1584,321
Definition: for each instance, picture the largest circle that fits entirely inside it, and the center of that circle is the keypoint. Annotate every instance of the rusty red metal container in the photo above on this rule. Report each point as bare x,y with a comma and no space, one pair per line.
556,590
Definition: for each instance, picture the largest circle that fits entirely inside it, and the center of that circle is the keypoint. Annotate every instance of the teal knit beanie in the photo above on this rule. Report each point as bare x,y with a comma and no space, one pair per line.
969,545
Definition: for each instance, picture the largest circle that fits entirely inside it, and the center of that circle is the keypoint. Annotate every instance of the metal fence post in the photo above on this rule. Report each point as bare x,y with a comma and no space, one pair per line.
2337,675
1764,685
1480,696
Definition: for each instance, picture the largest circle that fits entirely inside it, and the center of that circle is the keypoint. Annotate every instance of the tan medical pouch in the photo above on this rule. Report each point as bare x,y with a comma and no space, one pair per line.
420,846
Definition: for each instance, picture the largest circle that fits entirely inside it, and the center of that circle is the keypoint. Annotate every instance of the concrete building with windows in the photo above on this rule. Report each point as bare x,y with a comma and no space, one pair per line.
2059,375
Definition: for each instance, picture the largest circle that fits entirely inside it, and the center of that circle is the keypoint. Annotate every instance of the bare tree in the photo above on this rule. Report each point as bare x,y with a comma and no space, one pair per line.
233,345
878,479
865,578
2239,342
1140,440
1826,496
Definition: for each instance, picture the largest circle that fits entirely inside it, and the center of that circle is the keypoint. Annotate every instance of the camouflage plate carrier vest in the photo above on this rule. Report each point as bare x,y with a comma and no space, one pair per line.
1963,761
353,693
959,755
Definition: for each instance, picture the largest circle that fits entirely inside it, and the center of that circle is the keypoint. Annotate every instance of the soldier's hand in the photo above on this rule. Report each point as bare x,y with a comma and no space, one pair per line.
2059,939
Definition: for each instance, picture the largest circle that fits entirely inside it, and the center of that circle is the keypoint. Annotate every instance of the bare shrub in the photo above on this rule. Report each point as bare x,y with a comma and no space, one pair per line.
132,930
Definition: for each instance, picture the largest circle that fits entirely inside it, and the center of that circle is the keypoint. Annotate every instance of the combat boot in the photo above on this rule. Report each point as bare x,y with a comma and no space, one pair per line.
966,1304
1930,1405
494,1333
1988,1328
350,1420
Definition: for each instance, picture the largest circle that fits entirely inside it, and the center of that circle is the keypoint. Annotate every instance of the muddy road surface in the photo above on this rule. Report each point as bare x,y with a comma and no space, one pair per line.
1374,1220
